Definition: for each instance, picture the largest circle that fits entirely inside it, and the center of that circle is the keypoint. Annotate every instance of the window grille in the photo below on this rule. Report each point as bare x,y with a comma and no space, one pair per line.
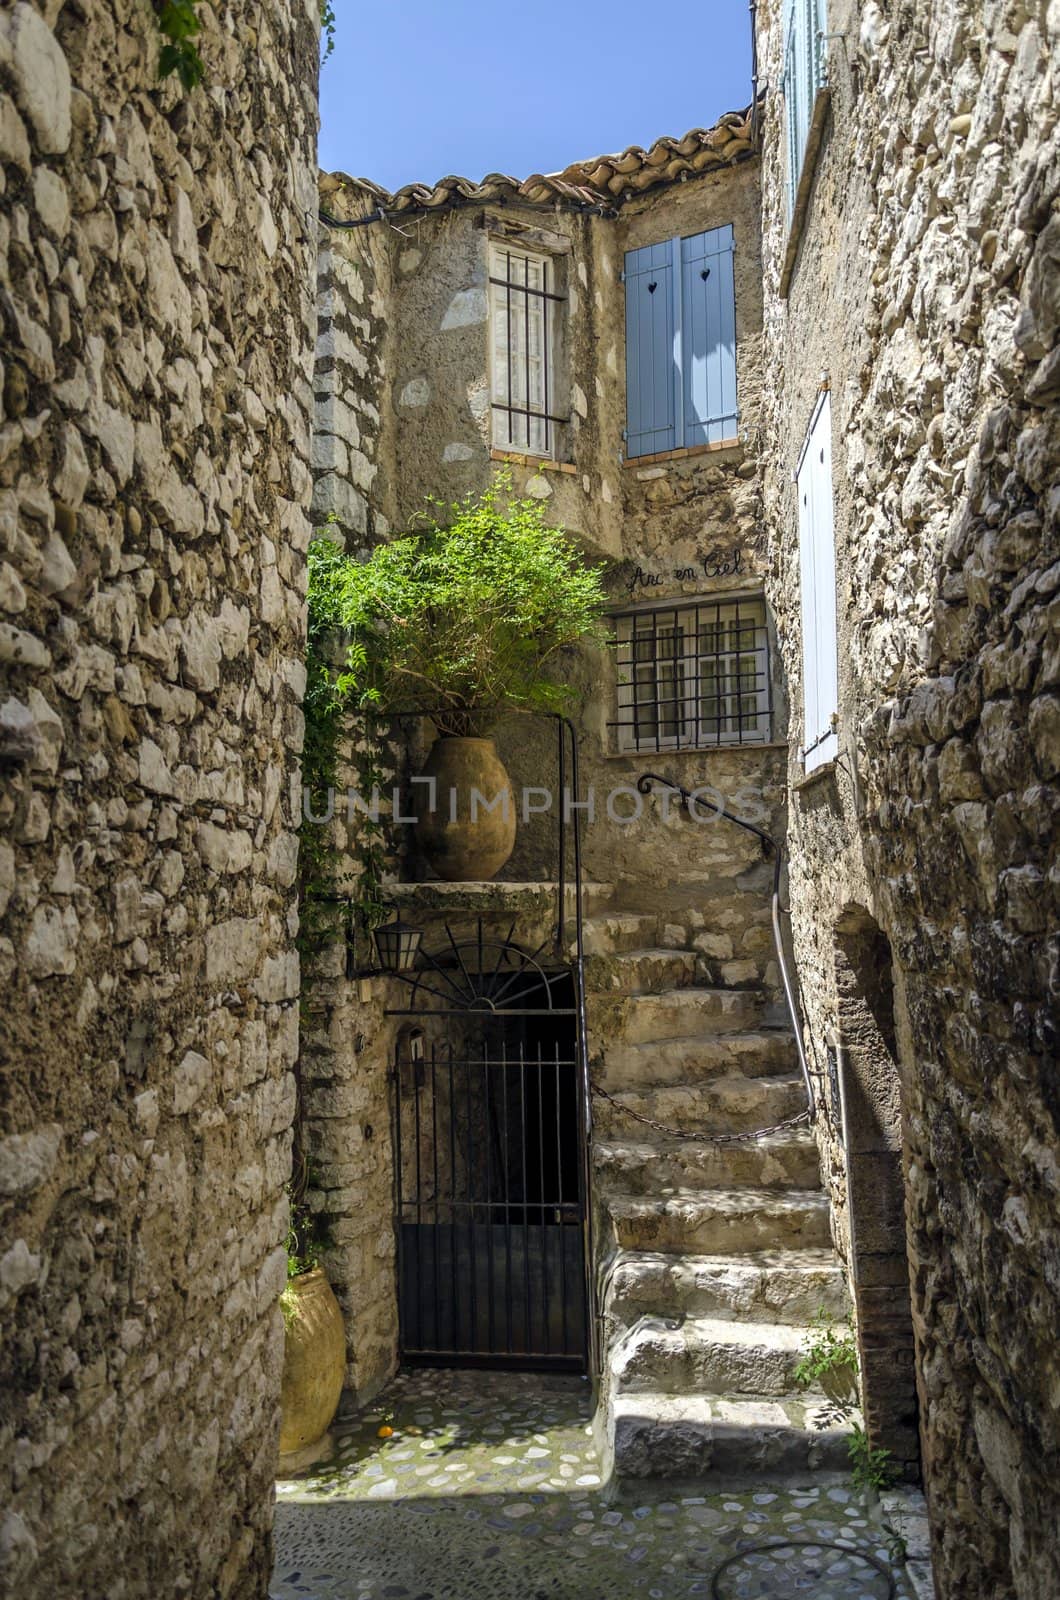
523,309
693,676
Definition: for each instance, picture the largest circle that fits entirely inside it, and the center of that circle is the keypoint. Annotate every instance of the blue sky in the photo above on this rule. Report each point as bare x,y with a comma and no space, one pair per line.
417,89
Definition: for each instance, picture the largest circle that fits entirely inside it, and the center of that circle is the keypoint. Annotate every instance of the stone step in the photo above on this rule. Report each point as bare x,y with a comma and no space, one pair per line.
720,1221
674,1014
692,1436
730,1104
637,1165
755,1052
640,972
596,900
779,1286
707,1355
612,933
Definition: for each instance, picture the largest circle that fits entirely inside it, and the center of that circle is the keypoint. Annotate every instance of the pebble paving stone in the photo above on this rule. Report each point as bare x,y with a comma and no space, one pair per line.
489,1488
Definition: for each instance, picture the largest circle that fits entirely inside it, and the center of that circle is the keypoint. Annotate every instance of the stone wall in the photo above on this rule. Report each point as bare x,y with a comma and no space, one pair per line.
156,251
925,287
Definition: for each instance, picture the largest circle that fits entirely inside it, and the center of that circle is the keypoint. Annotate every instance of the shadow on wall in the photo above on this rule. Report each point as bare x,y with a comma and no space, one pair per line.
871,1098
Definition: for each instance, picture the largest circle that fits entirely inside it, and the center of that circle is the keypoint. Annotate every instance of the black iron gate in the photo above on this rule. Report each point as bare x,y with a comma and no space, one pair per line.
489,1156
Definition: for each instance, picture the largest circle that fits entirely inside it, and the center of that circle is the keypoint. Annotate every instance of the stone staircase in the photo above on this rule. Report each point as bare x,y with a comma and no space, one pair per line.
713,1258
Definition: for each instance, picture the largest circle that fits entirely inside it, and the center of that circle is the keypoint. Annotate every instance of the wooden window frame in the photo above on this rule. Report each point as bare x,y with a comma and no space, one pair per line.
523,420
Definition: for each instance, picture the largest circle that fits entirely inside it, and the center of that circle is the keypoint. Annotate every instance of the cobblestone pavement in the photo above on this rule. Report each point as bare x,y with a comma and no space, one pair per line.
487,1487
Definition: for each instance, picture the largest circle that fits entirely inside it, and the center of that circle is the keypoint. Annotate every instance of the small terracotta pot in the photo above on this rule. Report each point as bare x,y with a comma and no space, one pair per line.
314,1361
459,849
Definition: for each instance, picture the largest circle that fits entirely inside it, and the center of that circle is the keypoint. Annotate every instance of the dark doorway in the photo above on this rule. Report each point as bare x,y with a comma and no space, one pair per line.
490,1180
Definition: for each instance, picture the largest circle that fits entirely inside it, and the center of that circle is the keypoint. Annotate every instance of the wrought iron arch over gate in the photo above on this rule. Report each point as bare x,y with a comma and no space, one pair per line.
490,1143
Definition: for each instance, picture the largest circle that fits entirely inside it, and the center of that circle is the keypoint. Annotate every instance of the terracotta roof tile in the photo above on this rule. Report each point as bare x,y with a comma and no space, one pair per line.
600,180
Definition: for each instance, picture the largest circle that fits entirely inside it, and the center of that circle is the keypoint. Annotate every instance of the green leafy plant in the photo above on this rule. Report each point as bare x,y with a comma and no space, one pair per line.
897,1545
831,1352
307,1237
179,25
327,29
467,615
870,1468
831,1355
335,901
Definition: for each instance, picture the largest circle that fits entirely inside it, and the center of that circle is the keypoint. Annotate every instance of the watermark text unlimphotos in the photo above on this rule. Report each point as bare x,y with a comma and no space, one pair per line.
623,805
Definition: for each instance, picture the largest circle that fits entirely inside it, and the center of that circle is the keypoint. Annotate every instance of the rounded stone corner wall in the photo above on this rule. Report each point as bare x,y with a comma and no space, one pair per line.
156,254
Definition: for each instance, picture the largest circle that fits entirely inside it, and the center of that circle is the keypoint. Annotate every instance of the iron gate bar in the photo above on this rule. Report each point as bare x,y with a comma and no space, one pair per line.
507,1209
563,1253
483,999
452,1212
537,1329
541,1191
565,731
516,1011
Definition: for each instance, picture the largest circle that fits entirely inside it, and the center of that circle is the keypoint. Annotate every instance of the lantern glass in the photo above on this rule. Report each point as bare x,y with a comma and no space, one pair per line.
397,945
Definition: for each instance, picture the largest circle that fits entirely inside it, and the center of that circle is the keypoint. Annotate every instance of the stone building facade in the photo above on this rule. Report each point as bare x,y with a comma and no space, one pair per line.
686,1020
155,259
919,282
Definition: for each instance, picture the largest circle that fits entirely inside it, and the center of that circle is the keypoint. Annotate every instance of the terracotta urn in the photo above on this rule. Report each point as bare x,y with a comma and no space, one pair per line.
314,1360
462,848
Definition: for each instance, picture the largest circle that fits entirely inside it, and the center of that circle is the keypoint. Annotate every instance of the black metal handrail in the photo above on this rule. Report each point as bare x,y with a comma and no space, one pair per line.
772,847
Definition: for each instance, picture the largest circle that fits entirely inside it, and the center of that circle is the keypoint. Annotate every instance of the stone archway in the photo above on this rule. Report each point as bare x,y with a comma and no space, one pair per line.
872,1130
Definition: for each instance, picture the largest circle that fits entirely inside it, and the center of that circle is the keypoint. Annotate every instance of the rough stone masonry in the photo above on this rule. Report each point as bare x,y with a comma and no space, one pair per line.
156,255
926,286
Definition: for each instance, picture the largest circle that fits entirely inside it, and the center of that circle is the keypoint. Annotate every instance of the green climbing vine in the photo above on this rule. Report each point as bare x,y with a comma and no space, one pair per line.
179,24
330,695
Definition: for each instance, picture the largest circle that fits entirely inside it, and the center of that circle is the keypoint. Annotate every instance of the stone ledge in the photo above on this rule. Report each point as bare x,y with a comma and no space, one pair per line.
540,463
826,770
639,757
482,897
685,451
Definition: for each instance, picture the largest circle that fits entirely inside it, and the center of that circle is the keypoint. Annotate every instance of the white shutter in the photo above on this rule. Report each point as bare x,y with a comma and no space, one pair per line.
820,661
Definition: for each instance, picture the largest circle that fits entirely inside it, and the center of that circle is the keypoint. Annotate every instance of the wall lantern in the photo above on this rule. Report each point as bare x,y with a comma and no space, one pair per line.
397,945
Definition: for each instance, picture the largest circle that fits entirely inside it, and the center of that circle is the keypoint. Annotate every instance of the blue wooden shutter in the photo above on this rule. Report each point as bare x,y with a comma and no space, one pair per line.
805,55
792,12
651,388
708,328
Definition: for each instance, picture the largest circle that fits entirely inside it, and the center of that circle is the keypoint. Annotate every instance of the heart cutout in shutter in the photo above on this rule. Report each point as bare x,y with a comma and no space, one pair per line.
652,288
705,274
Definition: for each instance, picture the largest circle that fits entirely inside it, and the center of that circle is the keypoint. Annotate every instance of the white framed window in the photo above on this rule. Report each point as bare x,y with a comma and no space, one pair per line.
523,309
820,654
693,676
805,29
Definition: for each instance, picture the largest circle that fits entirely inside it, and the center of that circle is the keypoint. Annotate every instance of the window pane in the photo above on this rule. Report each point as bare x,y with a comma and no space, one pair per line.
697,675
520,347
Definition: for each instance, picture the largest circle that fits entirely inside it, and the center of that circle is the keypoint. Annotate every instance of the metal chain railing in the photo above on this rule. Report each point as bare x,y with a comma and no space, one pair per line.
702,1138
